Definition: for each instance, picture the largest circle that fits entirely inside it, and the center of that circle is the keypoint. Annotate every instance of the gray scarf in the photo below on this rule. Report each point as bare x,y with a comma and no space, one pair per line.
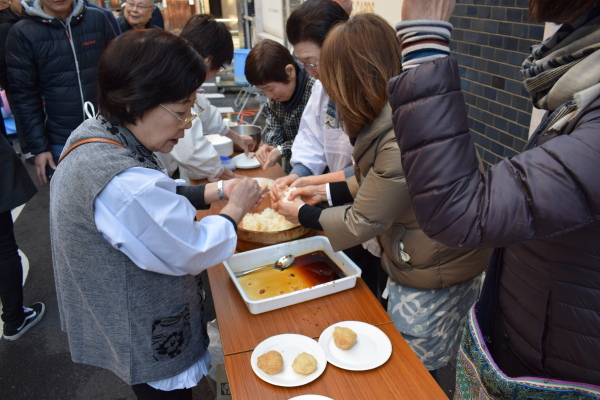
564,64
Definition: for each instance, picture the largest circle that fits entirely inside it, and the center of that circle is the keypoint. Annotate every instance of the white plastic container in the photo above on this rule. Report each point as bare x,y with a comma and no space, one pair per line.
263,256
223,145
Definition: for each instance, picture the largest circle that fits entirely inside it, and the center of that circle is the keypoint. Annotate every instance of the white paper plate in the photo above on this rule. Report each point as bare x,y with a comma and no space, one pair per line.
311,397
289,345
242,161
372,347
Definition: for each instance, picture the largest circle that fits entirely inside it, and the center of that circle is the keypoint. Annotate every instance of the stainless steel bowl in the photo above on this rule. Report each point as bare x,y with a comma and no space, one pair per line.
247,130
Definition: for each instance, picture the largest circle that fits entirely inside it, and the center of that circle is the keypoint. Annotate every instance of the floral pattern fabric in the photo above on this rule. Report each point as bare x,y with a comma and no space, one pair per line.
431,321
479,378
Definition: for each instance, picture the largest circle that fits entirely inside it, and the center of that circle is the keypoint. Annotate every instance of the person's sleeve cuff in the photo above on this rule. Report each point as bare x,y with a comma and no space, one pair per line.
308,216
423,40
301,170
338,193
195,194
349,172
227,217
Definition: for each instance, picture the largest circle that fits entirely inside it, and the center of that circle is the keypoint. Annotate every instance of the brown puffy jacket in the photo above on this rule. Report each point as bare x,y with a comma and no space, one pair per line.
383,208
542,206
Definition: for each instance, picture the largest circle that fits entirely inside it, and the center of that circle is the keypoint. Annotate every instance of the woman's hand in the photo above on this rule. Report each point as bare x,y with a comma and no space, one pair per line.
286,180
267,156
244,195
245,142
228,186
290,210
319,179
280,185
427,9
310,194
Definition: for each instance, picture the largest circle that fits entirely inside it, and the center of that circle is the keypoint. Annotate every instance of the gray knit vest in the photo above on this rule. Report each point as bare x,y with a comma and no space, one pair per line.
141,325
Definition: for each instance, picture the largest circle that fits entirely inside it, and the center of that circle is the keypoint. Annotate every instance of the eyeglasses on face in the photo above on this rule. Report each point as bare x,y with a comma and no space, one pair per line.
140,6
189,119
308,65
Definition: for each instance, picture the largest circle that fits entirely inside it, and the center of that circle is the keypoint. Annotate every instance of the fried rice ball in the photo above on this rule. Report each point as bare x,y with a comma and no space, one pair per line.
344,338
305,364
271,362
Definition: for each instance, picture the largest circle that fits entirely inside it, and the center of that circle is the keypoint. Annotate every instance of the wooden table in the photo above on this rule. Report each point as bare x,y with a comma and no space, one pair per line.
403,376
242,331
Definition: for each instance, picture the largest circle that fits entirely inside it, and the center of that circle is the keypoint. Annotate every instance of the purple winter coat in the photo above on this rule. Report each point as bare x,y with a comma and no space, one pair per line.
542,207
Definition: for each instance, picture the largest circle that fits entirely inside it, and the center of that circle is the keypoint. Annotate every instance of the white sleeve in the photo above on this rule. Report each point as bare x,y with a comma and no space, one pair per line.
212,121
140,214
308,148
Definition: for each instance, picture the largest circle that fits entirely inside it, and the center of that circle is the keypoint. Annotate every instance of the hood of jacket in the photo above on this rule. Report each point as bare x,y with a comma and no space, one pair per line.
373,132
34,10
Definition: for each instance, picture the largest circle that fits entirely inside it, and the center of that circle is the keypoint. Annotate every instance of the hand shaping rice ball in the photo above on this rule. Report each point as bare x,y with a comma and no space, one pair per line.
271,362
344,338
305,364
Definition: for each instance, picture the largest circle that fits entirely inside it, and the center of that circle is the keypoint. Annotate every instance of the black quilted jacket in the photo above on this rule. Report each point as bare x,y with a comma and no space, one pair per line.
52,71
542,206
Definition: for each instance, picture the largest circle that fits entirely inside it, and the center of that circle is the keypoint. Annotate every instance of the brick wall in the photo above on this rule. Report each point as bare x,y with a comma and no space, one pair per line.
490,40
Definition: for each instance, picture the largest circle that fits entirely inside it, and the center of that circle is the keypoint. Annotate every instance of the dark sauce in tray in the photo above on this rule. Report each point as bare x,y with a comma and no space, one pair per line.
316,268
308,270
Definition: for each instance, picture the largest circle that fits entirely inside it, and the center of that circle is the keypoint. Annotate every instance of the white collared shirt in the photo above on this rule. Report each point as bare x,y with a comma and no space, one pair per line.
140,213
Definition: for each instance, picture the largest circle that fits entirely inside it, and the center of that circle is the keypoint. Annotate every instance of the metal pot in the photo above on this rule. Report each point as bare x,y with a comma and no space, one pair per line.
247,130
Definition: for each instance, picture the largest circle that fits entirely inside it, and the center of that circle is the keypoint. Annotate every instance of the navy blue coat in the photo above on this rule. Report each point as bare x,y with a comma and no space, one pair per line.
53,71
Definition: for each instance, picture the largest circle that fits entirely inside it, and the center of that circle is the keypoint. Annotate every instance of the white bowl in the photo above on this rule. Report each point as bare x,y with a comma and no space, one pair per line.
223,145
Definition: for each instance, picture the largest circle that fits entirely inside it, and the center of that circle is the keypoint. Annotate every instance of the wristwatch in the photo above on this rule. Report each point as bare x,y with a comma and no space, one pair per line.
280,148
220,191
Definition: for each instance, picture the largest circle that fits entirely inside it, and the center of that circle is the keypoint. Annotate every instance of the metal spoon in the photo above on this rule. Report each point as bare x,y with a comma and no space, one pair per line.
281,264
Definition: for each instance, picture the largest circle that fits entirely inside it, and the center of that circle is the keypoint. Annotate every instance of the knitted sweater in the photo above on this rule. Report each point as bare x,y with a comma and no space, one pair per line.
141,325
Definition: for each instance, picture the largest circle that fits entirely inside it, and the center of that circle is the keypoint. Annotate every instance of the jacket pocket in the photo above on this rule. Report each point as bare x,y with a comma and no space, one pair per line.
392,246
171,335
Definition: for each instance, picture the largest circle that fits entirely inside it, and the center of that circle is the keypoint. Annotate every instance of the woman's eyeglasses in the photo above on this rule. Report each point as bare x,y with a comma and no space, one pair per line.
308,65
189,119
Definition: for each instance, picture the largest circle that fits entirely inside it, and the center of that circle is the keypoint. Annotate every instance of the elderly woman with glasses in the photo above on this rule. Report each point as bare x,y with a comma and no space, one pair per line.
126,248
321,144
194,156
137,14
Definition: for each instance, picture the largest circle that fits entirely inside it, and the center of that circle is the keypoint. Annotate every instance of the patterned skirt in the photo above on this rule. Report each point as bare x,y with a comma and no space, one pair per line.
479,378
431,321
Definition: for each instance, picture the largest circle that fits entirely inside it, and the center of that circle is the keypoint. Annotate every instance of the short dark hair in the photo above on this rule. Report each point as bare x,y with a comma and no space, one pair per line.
141,69
210,38
311,21
266,63
559,11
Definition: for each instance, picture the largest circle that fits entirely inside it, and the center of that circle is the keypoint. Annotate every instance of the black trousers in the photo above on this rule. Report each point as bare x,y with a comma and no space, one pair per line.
143,391
11,274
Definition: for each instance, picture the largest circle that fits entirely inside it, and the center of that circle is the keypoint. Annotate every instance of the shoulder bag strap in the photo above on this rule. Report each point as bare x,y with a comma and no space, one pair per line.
90,140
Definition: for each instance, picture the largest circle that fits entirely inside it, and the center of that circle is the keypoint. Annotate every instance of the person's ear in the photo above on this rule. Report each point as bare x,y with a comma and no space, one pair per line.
208,61
290,72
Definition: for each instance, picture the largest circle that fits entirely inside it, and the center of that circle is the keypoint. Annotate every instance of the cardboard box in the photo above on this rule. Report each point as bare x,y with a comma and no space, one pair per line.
223,392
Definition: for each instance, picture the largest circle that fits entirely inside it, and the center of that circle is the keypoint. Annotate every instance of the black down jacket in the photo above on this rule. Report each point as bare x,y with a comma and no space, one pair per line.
542,206
53,71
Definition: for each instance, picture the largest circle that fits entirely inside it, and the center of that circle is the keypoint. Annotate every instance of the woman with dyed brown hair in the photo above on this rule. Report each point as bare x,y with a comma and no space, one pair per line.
431,286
